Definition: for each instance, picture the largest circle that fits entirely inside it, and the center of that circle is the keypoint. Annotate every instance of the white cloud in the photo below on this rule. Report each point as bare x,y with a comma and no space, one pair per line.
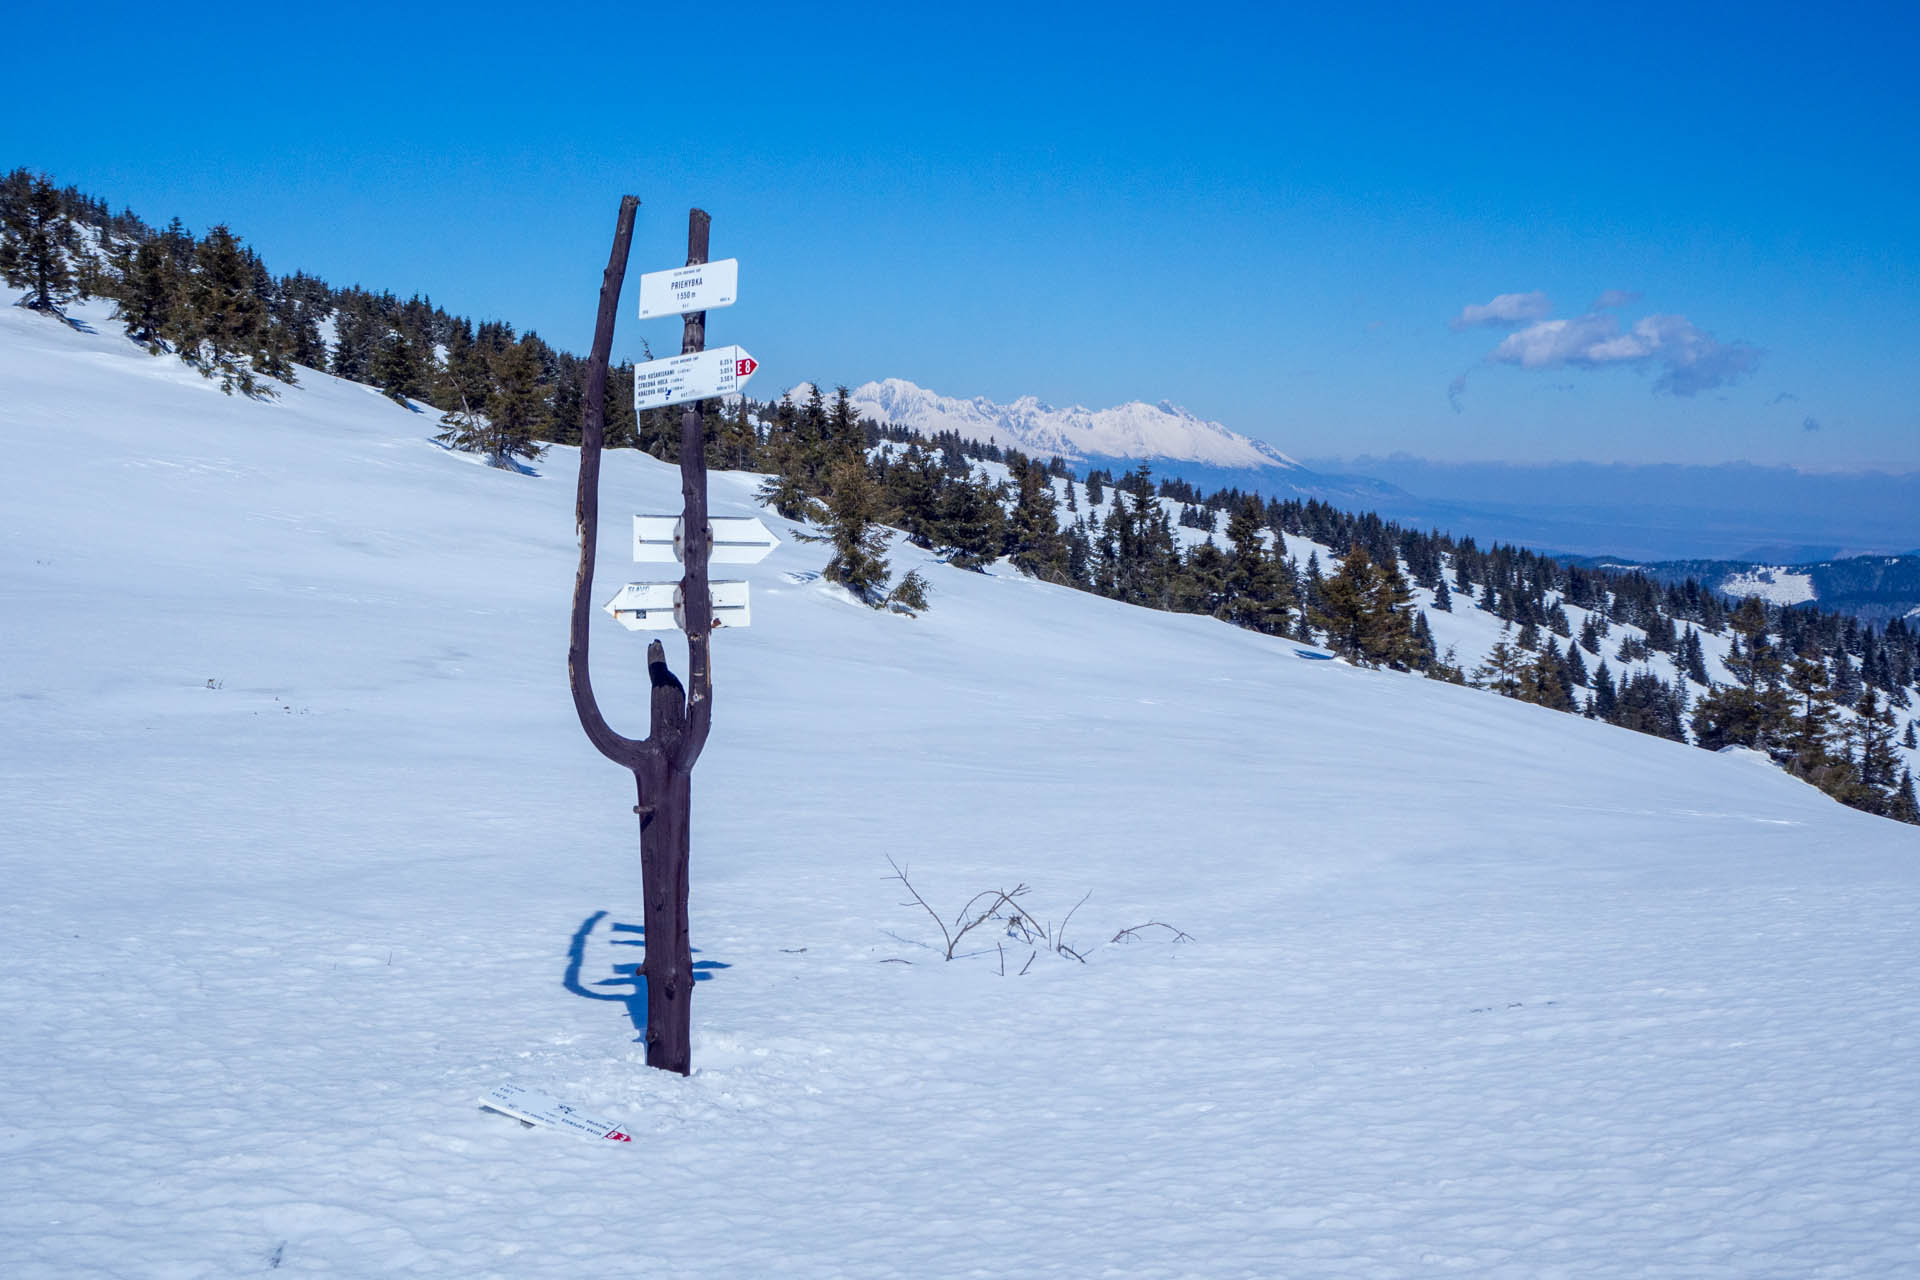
1690,360
1504,312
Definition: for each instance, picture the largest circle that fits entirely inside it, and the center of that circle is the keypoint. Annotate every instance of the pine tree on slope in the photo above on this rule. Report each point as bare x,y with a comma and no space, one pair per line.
38,245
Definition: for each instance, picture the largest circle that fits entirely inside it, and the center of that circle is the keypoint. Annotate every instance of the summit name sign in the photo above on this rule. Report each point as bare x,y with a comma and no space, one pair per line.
700,375
701,287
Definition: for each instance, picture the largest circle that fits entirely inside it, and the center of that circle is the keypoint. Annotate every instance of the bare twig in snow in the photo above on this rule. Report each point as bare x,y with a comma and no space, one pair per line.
1133,931
900,874
1060,939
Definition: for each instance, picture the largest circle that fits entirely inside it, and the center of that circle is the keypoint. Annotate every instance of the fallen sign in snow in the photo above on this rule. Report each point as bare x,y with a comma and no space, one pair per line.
529,1107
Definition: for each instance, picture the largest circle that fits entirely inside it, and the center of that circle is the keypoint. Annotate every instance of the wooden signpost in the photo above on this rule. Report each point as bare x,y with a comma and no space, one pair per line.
681,716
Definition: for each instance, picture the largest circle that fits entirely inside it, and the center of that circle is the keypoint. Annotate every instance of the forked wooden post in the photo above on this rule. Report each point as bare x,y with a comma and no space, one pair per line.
662,764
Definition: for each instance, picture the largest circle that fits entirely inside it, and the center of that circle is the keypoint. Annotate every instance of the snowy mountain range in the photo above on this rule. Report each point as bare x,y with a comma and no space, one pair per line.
1169,439
1161,432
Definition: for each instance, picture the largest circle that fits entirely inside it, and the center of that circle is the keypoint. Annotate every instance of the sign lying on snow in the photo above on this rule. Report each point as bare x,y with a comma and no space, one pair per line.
730,539
537,1108
683,289
699,376
659,606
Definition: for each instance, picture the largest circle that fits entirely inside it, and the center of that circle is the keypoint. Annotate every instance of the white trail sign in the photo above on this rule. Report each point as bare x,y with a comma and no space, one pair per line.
698,376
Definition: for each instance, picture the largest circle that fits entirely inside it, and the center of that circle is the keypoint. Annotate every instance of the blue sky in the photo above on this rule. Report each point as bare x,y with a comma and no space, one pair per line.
1276,218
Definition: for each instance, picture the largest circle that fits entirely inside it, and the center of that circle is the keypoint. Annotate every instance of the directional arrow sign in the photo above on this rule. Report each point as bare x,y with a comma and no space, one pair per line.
684,289
733,539
645,606
678,379
659,606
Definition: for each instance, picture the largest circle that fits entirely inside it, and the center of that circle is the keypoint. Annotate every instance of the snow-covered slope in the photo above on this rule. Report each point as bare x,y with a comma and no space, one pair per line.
1775,585
1136,430
304,850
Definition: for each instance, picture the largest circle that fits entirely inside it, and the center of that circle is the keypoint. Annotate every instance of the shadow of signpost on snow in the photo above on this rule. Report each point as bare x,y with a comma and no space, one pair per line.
628,983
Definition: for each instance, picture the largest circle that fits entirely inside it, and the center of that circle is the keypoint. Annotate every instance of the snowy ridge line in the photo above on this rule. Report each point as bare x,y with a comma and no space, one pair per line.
1136,430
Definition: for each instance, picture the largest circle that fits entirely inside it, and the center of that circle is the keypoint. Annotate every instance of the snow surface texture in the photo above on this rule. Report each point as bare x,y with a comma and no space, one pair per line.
305,851
1134,430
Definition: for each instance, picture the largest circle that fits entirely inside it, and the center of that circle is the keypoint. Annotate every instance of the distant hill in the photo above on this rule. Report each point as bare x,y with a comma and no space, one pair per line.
1871,588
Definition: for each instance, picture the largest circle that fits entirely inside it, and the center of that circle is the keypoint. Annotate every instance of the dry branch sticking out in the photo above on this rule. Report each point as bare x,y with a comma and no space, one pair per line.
1133,931
1002,905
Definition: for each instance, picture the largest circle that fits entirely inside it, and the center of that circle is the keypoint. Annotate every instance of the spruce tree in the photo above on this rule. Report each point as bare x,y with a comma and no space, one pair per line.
1502,670
970,522
1259,596
859,560
1363,611
1811,729
1033,533
1428,652
219,329
911,595
1903,807
1203,585
1540,684
38,245
1391,640
396,368
1693,659
1873,736
1312,587
1576,667
844,431
517,407
147,296
1846,679
1647,704
1590,634
913,494
1604,701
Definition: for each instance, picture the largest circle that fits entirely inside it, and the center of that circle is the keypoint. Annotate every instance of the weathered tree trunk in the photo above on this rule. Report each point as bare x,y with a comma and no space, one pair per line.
679,720
693,492
664,847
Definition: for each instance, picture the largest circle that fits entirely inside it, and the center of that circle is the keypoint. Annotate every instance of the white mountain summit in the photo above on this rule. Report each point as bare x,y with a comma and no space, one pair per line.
1135,430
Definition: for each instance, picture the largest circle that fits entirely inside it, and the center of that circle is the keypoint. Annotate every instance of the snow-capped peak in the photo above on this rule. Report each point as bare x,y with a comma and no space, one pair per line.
1133,430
